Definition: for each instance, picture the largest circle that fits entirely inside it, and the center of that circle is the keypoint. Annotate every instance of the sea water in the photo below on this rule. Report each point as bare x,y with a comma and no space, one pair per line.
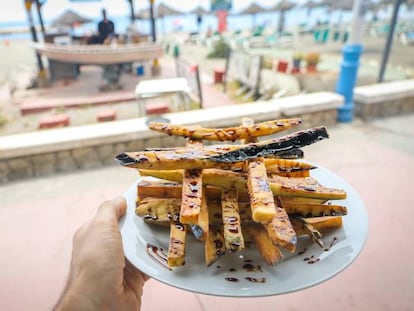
188,22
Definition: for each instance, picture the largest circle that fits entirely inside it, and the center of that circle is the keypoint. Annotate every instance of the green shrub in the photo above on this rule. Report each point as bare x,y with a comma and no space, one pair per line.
220,50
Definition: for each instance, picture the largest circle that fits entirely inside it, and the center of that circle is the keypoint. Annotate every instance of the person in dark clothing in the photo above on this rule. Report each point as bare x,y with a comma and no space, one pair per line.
106,27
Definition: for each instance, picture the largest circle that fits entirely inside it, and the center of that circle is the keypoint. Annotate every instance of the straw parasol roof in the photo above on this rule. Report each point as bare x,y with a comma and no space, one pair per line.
69,18
199,11
313,4
161,11
165,10
283,5
344,5
253,8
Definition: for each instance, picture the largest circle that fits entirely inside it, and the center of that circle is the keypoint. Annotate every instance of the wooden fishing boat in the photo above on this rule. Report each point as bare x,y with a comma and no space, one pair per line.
99,54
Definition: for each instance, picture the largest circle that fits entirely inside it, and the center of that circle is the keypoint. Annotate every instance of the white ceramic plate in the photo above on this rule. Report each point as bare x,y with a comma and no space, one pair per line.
293,274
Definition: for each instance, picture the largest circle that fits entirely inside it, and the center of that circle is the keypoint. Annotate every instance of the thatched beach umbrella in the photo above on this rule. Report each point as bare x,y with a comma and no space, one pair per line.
70,18
165,10
342,5
339,5
199,11
282,7
310,5
252,10
160,11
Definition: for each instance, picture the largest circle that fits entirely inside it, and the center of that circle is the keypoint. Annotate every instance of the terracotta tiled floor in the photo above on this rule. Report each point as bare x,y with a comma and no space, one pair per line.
39,216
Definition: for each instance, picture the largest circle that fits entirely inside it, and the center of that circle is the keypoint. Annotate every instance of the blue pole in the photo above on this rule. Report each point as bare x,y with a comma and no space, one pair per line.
347,80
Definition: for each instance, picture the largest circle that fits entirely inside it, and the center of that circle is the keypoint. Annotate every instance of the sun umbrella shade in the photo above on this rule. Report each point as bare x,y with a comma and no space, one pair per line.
344,5
69,18
312,4
164,10
253,8
160,11
283,6
199,11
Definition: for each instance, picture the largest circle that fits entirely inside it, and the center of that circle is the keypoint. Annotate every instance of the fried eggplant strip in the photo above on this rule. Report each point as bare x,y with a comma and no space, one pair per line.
310,230
275,146
270,252
284,166
261,197
158,209
191,190
313,209
248,122
203,220
194,205
176,248
231,133
153,209
322,224
214,247
204,158
169,160
191,197
284,186
233,236
280,230
304,187
172,189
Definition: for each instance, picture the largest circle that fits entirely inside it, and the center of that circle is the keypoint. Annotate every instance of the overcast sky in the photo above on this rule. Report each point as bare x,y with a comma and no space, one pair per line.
13,10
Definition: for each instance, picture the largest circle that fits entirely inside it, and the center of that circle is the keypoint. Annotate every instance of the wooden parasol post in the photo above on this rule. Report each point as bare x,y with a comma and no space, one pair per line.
41,79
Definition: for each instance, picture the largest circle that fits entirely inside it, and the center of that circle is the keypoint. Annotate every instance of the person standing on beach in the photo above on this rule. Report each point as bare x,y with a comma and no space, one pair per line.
106,28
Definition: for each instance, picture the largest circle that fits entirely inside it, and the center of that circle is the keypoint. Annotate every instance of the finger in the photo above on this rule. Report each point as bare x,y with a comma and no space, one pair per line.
110,210
134,278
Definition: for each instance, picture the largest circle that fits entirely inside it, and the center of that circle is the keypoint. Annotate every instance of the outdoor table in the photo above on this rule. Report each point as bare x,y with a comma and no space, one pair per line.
158,88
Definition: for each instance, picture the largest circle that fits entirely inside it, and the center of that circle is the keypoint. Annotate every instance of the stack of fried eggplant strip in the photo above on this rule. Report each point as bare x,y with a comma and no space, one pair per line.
225,193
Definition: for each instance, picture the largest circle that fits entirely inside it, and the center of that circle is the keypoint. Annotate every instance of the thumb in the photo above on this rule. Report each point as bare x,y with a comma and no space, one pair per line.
120,206
112,209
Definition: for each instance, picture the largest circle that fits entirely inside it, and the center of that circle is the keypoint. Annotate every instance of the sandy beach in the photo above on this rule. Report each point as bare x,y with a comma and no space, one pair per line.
18,63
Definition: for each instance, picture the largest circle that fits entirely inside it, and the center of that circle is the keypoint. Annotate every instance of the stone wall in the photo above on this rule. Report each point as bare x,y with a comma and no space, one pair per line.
48,152
384,99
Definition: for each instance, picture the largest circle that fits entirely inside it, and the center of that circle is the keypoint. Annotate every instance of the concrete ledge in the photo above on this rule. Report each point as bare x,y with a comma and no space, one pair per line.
383,92
67,149
30,107
384,99
308,103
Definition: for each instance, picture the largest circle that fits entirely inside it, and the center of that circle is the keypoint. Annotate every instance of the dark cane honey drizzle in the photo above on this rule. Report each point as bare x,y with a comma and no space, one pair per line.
158,255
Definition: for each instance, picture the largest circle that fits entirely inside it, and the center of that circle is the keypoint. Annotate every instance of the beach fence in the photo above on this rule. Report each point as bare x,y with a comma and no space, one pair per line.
244,68
191,73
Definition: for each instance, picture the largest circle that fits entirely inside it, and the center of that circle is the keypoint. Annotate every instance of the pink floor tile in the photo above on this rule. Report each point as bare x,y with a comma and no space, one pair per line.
159,297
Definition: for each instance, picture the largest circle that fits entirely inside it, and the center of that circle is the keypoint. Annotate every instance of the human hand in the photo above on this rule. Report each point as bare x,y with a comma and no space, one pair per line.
100,277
